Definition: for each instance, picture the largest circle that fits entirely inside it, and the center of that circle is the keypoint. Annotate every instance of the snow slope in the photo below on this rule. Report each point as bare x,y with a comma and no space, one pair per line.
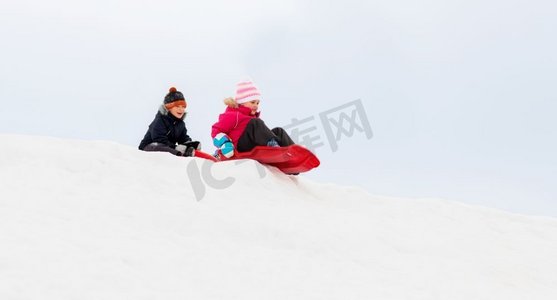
98,220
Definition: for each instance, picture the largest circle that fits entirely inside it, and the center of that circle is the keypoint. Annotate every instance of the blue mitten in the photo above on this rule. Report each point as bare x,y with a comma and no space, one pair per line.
220,139
223,142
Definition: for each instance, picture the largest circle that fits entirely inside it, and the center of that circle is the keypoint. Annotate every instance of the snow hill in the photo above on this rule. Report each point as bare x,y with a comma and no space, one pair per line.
99,220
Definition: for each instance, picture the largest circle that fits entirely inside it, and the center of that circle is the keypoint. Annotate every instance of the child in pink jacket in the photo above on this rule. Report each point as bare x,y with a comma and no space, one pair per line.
240,128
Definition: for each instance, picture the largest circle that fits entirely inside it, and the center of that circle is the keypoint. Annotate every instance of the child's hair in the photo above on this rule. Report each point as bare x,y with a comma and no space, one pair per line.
230,102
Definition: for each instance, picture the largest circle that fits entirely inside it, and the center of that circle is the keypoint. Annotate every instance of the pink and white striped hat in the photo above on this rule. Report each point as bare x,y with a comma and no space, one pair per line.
246,91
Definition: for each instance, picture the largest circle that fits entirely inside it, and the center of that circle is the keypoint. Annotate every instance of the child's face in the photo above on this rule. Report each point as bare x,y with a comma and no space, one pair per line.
253,105
178,111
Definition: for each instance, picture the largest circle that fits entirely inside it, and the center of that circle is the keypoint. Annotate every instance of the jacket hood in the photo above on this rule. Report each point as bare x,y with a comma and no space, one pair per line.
243,110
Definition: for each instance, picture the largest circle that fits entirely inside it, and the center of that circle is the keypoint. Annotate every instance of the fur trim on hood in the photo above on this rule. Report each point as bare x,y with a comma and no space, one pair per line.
165,112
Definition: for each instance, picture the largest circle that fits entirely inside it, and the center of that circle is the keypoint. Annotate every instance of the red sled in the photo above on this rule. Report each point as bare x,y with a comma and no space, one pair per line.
292,159
204,155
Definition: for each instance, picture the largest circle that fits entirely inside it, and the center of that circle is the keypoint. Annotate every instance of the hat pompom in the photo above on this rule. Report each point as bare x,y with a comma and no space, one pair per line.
173,95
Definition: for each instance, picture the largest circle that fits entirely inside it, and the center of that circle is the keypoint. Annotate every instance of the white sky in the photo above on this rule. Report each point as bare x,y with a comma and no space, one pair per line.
460,94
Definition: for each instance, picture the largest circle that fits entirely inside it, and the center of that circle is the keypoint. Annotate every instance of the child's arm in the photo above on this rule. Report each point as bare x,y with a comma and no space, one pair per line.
159,134
186,140
220,137
224,125
184,137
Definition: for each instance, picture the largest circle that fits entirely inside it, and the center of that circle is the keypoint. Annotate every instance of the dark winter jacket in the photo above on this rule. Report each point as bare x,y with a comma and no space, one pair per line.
166,129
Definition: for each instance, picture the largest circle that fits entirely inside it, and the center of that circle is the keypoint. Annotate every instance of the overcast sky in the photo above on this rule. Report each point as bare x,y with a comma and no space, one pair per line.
460,95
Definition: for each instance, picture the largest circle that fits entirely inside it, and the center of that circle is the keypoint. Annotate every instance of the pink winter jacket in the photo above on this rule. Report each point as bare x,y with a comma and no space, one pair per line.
233,122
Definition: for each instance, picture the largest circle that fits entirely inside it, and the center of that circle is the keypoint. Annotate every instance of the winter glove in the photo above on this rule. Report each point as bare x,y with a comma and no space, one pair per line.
184,150
194,144
181,148
223,142
190,152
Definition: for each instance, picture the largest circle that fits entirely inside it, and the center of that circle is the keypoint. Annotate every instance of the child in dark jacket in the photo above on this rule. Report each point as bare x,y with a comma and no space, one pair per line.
167,132
240,128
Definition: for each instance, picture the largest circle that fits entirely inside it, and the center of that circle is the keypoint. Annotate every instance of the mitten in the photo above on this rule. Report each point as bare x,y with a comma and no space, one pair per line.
194,144
181,148
220,139
223,142
184,150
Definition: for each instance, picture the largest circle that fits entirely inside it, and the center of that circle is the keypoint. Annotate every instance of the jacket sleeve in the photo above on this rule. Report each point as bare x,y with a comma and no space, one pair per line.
226,123
159,132
184,137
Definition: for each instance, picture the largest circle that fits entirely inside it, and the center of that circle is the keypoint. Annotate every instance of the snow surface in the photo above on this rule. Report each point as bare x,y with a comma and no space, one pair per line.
99,220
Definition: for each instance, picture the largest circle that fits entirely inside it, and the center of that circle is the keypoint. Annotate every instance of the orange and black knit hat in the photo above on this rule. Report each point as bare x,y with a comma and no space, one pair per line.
174,98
